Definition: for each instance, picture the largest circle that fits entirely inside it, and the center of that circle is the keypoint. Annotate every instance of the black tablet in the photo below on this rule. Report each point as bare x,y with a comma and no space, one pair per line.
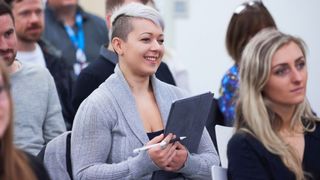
188,117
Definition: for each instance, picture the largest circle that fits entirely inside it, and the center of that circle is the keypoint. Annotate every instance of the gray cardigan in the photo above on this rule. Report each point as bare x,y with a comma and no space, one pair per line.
107,128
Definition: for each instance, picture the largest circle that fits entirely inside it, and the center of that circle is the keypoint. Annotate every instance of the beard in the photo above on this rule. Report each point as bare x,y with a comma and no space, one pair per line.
29,36
8,56
29,39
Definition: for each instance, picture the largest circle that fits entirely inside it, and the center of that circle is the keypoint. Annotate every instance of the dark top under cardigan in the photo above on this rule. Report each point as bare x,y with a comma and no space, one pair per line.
249,159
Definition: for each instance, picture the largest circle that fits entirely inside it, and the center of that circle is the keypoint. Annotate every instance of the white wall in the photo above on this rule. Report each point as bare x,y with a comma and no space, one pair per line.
97,7
199,38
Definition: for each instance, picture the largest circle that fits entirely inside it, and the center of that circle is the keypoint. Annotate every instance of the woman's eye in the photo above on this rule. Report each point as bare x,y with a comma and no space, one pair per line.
301,65
281,71
145,40
161,41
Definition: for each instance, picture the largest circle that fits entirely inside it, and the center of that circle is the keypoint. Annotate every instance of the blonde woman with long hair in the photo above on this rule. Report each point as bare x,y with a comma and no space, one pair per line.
277,135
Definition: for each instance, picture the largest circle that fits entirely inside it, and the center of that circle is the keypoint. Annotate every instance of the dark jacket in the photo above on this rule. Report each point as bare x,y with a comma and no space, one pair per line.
95,35
249,159
59,71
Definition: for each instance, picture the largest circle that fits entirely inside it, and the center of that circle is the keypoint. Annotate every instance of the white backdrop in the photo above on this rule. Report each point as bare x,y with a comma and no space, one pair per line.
198,38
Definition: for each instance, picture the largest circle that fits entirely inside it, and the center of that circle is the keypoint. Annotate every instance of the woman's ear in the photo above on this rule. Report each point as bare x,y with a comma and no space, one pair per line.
117,45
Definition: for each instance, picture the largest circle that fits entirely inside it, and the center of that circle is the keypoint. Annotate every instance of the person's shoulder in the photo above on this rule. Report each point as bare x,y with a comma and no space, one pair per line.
247,142
34,70
36,75
101,100
239,138
49,49
242,139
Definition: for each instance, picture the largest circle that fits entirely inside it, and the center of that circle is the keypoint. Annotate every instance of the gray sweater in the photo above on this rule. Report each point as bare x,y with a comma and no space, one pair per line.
107,128
37,111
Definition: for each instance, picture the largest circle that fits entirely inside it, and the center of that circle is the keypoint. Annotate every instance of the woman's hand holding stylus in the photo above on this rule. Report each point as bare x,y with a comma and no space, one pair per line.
162,156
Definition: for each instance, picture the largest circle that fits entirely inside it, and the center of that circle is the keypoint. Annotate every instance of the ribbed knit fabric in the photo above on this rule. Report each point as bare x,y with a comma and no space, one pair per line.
107,128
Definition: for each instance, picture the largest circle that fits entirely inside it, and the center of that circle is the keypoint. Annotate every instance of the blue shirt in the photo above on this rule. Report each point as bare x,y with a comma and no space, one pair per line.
229,95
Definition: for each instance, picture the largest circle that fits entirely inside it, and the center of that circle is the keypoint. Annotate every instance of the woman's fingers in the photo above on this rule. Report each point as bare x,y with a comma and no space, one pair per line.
156,139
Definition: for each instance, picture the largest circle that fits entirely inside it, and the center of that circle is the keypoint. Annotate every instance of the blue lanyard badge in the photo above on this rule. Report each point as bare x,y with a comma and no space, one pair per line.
78,41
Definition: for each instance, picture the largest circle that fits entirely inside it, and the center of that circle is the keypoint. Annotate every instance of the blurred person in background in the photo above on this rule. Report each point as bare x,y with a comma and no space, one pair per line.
32,49
77,33
247,19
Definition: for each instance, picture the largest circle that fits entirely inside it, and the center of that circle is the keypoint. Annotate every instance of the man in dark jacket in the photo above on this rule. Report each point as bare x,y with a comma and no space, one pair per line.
76,32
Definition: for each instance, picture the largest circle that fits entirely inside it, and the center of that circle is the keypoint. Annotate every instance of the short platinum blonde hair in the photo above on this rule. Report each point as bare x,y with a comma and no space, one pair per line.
121,19
253,112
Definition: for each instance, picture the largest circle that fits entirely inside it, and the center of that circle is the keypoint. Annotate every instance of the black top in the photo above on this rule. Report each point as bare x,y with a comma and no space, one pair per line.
249,159
152,135
38,168
98,71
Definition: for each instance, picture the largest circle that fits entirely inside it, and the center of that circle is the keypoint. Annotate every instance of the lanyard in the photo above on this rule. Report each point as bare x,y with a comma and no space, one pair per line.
77,38
78,41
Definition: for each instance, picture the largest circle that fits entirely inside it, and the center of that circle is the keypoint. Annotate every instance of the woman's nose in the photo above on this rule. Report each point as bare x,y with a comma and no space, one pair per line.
297,75
156,45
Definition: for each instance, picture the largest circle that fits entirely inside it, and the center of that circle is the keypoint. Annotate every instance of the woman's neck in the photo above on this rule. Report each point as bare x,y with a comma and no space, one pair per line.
138,84
286,114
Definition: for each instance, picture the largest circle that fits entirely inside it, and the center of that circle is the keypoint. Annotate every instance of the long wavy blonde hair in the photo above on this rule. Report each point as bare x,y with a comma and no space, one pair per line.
253,112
